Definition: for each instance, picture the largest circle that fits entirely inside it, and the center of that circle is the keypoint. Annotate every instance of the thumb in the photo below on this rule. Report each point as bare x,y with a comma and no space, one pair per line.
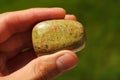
46,67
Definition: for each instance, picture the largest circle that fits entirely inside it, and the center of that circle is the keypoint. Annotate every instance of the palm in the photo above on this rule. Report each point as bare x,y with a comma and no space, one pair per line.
19,61
14,58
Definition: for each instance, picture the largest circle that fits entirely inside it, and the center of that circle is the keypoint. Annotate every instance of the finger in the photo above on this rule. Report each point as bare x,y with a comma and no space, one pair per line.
70,17
19,21
46,67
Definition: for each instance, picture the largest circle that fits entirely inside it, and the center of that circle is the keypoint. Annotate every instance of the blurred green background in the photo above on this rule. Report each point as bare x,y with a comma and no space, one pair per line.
100,60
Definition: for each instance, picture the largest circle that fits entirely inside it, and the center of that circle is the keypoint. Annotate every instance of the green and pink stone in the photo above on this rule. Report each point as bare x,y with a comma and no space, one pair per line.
55,35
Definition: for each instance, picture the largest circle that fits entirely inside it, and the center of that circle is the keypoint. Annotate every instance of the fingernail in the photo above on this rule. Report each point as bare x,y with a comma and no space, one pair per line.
66,61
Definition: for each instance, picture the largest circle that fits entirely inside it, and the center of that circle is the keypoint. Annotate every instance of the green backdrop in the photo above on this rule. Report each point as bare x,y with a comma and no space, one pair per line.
100,60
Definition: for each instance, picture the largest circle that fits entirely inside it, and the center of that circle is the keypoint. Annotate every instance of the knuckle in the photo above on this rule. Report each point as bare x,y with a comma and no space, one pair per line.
40,70
44,69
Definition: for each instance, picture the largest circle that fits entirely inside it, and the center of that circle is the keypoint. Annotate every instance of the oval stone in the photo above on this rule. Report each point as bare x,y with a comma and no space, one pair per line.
54,35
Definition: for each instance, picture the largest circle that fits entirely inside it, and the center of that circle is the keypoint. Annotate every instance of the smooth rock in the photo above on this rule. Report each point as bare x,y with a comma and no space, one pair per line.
54,35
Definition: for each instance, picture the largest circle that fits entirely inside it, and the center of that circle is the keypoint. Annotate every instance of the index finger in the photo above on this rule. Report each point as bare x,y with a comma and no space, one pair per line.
20,21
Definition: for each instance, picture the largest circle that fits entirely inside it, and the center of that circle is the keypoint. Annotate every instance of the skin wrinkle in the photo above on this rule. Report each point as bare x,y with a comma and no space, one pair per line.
16,57
2,64
7,26
7,16
43,72
26,58
20,17
20,22
18,42
11,30
4,34
18,38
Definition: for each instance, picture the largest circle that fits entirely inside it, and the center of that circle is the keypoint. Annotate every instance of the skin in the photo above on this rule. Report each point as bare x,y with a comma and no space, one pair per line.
15,35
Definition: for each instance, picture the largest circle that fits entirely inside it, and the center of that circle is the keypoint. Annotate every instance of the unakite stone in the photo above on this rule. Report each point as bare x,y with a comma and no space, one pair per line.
54,35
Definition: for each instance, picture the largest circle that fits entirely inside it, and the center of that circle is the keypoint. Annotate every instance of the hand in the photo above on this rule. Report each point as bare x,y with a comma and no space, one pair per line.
15,36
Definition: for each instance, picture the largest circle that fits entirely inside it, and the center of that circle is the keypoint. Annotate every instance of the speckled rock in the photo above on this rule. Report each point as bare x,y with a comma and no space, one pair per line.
54,35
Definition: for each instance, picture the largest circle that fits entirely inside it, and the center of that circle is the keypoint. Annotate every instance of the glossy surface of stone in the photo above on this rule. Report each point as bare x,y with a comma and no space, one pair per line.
54,35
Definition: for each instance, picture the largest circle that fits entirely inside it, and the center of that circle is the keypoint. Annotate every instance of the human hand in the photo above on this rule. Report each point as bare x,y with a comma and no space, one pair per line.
15,36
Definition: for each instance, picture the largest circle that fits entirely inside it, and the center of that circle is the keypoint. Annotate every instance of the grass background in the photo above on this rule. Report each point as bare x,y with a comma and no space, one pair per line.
100,60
